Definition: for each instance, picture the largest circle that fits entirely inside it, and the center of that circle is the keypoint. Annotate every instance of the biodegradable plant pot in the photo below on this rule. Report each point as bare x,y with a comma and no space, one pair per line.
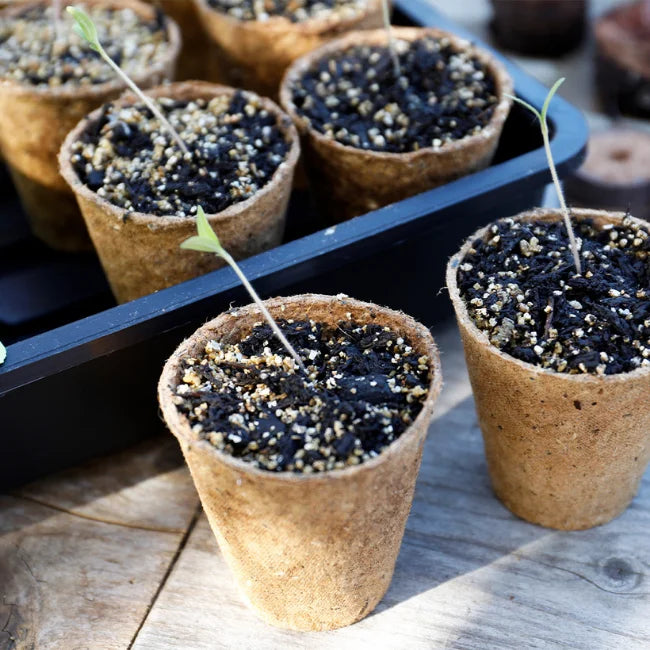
196,48
140,254
256,53
623,59
616,173
308,551
350,181
539,27
565,451
35,121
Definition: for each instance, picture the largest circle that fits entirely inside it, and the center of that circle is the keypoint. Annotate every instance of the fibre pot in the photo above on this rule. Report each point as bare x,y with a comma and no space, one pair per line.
35,121
565,451
308,551
195,50
140,254
350,181
539,27
256,53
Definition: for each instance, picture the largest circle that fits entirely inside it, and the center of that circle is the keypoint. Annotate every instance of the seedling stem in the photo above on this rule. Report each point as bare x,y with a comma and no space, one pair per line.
207,241
392,46
551,164
85,28
56,19
3,353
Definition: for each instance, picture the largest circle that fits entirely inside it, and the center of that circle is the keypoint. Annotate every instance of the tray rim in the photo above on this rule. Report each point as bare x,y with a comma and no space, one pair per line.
118,327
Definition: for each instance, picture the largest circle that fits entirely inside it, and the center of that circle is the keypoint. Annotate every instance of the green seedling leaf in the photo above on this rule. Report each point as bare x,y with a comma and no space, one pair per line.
550,95
204,227
84,27
207,241
530,107
3,353
202,245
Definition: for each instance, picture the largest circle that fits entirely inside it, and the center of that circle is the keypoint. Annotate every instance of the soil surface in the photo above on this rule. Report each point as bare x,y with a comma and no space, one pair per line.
355,98
293,10
522,289
365,387
31,53
235,145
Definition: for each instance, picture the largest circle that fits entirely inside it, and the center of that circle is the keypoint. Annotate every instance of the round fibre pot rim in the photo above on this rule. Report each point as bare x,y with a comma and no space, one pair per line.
180,427
502,79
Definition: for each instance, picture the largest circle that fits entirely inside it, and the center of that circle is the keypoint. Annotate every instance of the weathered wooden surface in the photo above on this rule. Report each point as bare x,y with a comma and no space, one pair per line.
112,554
470,575
83,553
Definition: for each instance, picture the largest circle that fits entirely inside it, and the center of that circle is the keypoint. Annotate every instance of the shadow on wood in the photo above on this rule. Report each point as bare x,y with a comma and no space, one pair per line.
456,526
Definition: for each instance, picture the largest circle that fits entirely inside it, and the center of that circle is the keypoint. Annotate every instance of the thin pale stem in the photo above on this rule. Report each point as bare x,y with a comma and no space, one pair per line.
56,18
265,312
148,102
392,45
558,188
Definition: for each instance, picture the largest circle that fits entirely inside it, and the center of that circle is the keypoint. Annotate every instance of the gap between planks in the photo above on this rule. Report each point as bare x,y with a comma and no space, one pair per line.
110,522
181,545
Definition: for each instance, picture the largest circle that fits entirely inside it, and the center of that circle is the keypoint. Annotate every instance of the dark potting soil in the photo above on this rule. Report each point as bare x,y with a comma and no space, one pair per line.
365,386
235,145
293,10
31,53
355,98
521,288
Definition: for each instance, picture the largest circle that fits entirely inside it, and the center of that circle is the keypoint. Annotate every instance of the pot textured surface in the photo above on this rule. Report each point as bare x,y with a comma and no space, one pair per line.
196,54
350,181
140,253
256,53
564,451
309,552
35,122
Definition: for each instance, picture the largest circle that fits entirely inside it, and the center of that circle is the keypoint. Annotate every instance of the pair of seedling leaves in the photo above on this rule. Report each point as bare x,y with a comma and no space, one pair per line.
207,240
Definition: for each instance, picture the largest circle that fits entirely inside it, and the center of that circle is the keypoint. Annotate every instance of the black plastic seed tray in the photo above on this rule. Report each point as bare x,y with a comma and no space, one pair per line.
81,373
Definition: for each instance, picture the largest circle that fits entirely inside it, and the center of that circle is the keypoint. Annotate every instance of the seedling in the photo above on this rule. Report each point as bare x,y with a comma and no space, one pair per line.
3,353
392,47
86,29
207,241
549,156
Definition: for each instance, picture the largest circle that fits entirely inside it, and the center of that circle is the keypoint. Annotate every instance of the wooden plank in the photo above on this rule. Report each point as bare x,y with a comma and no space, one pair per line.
120,488
470,574
82,554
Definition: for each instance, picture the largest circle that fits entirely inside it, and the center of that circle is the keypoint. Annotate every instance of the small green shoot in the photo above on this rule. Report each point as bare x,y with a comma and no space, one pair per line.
551,164
392,47
207,241
3,353
85,28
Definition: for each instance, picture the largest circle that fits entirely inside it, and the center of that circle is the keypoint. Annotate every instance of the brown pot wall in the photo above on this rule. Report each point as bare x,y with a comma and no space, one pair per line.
141,253
350,181
34,123
309,552
564,451
256,53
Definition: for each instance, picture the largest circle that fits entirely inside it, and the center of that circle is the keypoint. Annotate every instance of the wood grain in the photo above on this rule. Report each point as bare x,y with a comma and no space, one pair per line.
470,574
82,554
147,486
